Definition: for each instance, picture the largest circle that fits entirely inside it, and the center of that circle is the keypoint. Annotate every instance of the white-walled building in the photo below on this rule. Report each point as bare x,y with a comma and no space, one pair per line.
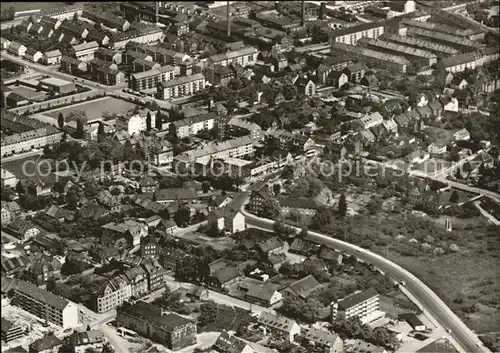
246,56
44,305
134,124
181,86
359,304
193,125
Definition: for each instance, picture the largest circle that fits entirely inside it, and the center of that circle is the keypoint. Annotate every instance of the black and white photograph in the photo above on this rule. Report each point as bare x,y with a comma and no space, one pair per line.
250,176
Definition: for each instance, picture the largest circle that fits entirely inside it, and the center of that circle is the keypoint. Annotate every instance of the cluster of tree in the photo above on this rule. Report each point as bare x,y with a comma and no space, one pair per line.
306,268
304,310
171,301
7,13
353,328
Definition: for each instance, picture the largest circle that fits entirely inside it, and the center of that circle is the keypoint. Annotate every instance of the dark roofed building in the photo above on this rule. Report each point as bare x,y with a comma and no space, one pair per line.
172,330
302,288
225,277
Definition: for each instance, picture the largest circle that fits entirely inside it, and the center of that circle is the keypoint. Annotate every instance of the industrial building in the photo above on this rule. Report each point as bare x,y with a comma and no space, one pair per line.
372,57
435,48
412,54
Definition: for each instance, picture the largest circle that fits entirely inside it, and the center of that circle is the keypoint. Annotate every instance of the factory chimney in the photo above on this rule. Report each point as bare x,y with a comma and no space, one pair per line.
157,16
228,20
303,14
322,10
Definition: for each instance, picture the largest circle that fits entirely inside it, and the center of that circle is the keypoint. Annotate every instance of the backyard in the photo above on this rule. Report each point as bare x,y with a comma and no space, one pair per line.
95,109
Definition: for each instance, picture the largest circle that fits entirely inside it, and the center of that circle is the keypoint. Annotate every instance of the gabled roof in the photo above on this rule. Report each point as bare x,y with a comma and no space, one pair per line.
226,274
305,286
279,322
45,343
262,292
270,244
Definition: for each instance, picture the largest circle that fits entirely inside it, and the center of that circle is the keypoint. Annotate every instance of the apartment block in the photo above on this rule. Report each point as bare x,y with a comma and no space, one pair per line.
193,125
43,304
246,56
351,35
111,294
359,304
150,79
181,86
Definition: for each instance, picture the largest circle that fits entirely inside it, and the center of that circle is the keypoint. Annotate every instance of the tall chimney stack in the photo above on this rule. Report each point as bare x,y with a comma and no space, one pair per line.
228,20
157,16
303,17
322,10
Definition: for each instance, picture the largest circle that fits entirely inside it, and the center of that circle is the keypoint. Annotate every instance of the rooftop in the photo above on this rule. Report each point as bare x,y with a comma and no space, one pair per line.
152,313
357,298
54,81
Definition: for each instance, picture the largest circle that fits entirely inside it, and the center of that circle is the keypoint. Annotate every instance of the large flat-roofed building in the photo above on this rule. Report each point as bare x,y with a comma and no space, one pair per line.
435,48
460,43
150,79
57,85
246,56
372,57
43,304
150,321
469,33
181,86
423,57
360,304
351,35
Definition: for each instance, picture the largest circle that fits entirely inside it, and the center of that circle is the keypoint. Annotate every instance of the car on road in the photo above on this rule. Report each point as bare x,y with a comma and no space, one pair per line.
403,283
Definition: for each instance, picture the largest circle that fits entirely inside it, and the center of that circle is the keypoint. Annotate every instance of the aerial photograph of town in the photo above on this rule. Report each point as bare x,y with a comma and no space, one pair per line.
250,176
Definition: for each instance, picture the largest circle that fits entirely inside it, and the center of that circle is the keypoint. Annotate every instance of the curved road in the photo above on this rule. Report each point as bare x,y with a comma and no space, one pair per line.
468,341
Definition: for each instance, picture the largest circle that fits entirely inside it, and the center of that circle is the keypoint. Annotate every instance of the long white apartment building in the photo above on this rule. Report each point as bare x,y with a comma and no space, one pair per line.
359,304
43,304
181,86
235,148
85,51
351,35
193,125
151,78
246,56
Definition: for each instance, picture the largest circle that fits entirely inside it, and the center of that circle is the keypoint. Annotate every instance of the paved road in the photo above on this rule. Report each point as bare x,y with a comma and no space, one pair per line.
427,299
52,71
443,180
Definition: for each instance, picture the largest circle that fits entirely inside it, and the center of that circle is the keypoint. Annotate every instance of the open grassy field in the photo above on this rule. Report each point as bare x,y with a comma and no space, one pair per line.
26,6
95,109
466,280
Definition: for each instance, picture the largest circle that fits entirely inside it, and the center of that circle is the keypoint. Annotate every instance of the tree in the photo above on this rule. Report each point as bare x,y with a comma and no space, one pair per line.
303,232
205,187
182,216
276,188
342,205
270,209
148,121
72,199
454,196
282,230
60,120
322,217
79,129
100,129
159,120
67,347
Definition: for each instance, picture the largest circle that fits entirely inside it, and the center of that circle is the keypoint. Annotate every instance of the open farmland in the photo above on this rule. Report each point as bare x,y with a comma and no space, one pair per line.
95,109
